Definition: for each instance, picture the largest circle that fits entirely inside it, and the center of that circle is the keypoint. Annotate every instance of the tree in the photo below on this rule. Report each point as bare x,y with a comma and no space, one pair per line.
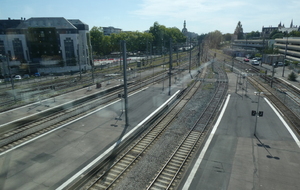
253,35
97,36
162,35
292,76
227,37
214,39
239,31
294,34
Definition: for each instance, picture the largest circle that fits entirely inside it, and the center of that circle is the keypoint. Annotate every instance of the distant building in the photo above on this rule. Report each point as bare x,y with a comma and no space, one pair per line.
186,33
184,30
111,30
291,46
281,28
46,44
250,44
266,31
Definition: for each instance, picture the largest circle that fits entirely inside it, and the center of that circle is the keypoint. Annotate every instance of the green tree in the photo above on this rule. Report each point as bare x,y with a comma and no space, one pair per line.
253,35
97,36
239,31
294,34
162,34
292,76
214,39
227,37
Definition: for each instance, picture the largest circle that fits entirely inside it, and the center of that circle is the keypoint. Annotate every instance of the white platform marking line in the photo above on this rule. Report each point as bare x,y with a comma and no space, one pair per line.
201,156
284,123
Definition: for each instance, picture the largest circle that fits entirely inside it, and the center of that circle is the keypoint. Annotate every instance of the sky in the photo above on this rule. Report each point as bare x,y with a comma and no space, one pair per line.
202,16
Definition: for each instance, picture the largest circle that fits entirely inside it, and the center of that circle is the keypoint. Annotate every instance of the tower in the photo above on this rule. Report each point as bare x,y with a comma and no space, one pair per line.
184,30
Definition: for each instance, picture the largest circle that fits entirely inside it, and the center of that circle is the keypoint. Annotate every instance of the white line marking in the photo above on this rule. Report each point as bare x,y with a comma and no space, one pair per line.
201,156
64,185
284,123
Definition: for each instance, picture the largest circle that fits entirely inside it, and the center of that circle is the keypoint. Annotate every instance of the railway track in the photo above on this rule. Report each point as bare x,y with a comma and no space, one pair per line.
106,179
16,133
269,93
174,166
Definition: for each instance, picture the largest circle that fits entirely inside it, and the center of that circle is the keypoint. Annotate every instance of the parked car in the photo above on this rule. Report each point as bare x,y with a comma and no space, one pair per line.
255,62
257,58
18,77
280,64
246,60
26,76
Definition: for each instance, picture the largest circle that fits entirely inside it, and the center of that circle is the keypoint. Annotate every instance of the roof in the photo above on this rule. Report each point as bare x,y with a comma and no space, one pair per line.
79,24
57,22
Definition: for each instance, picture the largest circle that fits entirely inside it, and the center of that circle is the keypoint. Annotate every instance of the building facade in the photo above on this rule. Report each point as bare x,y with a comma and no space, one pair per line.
111,30
45,45
289,46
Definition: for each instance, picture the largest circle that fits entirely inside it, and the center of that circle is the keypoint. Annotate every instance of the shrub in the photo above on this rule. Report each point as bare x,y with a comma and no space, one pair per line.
292,76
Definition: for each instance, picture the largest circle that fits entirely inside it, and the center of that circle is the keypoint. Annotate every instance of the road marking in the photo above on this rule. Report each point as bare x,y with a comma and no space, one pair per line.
201,156
64,185
284,123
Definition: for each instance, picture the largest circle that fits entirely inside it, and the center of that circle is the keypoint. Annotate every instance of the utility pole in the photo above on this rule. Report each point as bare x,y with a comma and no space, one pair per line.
125,82
147,51
93,77
170,67
284,60
190,57
199,53
120,55
273,69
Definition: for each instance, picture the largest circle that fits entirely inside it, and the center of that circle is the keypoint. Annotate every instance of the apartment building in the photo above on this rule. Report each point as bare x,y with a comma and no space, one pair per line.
45,44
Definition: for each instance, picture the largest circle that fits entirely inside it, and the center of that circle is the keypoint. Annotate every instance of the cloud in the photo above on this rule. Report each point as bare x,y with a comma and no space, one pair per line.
191,9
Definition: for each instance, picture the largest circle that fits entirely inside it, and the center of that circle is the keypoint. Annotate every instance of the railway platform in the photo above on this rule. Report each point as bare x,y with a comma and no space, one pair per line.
244,151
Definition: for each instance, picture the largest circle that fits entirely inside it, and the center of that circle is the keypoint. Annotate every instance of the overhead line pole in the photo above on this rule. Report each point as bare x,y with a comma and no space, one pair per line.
170,67
125,82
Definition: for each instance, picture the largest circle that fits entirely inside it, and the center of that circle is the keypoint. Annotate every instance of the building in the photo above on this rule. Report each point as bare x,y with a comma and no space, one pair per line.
266,31
184,30
111,30
282,28
46,44
289,46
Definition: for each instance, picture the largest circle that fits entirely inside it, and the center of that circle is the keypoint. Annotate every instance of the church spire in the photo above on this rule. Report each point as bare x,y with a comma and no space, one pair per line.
184,24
